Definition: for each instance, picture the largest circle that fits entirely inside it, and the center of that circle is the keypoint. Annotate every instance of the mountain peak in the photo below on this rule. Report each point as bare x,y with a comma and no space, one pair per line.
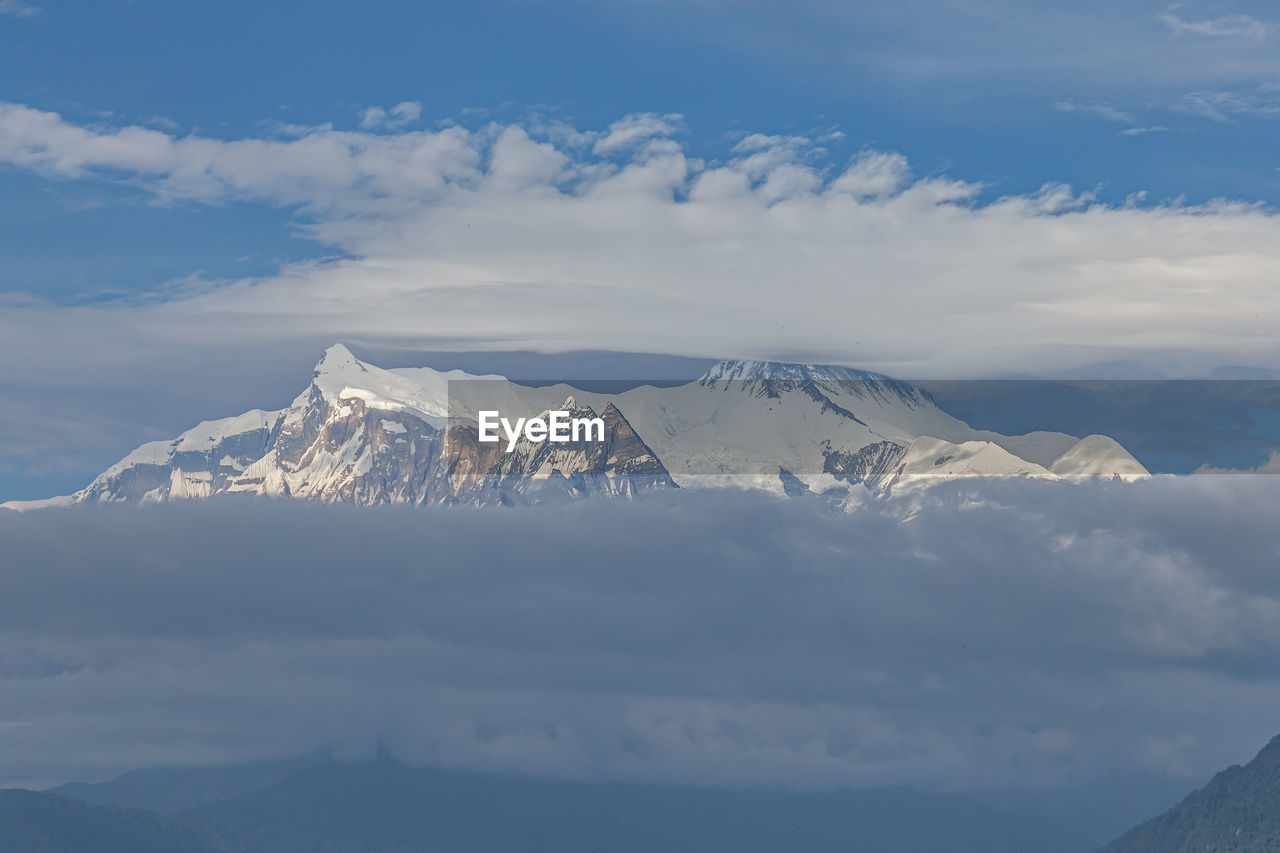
1097,455
337,358
755,371
338,371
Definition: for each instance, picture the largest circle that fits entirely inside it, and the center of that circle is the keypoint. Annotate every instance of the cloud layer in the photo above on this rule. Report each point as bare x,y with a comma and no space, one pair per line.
546,236
991,635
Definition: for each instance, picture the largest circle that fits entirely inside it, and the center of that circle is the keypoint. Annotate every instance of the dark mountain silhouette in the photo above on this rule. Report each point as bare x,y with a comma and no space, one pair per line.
42,822
1238,811
325,806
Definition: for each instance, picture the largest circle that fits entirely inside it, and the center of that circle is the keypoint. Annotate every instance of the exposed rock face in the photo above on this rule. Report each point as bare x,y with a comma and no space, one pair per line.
873,465
345,452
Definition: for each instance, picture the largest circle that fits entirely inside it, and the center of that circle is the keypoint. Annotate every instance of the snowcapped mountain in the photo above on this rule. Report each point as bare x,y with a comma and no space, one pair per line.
362,434
743,422
1097,456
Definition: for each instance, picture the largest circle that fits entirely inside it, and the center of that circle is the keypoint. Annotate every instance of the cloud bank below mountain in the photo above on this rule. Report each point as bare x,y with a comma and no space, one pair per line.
983,635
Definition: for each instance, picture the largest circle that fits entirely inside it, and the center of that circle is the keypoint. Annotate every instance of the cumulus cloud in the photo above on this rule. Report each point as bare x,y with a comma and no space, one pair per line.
400,115
874,174
983,635
636,130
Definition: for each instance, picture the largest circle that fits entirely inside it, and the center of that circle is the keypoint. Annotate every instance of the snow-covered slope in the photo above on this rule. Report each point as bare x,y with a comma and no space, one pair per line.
1097,456
363,434
744,421
201,461
927,459
420,391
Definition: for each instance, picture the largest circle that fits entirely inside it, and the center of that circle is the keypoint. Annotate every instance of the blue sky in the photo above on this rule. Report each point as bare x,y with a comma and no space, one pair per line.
198,199
1007,96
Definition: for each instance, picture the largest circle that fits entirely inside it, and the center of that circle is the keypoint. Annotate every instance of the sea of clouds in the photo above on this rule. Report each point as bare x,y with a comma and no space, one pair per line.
977,635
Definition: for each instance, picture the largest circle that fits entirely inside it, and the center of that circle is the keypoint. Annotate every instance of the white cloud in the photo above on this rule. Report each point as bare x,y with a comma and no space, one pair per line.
874,174
399,116
635,131
1227,26
1226,106
18,9
1270,466
1104,111
162,122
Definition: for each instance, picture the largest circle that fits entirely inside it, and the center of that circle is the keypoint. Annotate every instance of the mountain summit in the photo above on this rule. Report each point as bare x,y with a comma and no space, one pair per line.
782,371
